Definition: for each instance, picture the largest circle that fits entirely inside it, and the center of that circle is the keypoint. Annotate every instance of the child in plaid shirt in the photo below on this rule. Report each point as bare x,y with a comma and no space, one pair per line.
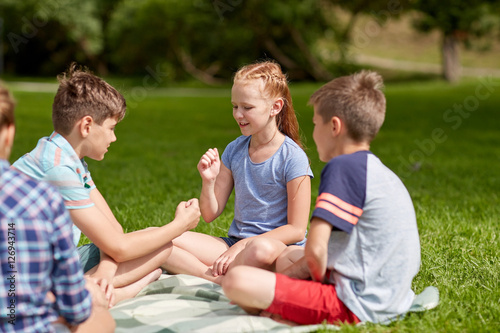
42,287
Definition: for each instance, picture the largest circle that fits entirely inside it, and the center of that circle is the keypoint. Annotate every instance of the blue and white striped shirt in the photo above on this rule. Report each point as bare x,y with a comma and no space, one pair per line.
55,161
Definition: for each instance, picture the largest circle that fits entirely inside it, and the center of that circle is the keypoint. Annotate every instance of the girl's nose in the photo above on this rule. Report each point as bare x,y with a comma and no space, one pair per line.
237,113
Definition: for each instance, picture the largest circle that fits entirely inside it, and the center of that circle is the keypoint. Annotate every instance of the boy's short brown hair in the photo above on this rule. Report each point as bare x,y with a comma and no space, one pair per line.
81,94
357,100
7,105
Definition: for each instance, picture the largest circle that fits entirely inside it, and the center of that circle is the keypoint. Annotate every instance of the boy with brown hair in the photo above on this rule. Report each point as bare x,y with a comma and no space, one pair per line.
42,288
363,248
85,112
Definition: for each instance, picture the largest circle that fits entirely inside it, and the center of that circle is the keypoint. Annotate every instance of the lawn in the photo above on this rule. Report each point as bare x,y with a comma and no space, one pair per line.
442,140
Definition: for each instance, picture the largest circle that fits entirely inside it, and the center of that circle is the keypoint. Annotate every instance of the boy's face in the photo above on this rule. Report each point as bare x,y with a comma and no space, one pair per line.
322,135
100,137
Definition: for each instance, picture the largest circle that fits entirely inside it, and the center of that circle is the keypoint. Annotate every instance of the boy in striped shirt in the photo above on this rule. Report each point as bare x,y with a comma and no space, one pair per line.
363,248
85,112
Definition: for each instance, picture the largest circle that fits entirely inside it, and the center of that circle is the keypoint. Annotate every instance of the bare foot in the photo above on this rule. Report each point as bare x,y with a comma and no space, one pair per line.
133,289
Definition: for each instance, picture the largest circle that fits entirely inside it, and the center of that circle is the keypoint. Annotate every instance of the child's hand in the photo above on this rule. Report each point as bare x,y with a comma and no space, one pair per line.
95,290
189,212
209,164
107,289
222,263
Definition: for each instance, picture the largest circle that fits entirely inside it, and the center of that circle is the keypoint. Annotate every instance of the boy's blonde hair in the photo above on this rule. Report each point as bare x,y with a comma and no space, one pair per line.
7,105
81,94
357,100
275,86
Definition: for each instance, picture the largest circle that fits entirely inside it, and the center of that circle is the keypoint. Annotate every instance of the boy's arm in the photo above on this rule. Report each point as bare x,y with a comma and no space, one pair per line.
103,206
123,247
316,250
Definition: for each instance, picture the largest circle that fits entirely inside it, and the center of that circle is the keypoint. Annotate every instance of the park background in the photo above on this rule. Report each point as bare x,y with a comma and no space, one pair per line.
173,61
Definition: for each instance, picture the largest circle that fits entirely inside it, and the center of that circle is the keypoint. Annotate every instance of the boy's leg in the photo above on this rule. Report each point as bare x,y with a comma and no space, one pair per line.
249,287
300,301
128,278
134,288
131,271
194,253
291,263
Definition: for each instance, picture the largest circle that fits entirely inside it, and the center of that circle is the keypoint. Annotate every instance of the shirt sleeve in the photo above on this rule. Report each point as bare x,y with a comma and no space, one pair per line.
227,154
342,192
298,165
73,187
73,301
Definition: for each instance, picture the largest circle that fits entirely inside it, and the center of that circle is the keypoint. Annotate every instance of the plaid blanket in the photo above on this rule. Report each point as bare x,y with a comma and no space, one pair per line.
184,303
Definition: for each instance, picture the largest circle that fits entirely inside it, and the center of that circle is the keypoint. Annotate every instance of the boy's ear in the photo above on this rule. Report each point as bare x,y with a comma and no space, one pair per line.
336,125
277,106
85,125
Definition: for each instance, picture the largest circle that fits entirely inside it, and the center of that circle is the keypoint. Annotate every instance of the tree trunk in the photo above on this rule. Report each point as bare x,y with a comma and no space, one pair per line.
318,71
451,58
276,52
205,76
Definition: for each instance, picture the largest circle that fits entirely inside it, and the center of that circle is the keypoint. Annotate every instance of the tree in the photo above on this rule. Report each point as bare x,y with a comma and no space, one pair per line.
209,39
172,34
459,21
44,35
286,30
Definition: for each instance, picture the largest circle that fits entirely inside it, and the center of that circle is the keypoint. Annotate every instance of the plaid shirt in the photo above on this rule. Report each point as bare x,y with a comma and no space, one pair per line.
37,255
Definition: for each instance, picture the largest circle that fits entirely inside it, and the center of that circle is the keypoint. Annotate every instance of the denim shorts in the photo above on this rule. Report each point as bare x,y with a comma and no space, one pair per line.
90,256
230,241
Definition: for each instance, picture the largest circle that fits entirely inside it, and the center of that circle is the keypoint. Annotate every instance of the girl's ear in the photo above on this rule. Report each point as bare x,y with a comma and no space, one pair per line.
277,106
85,125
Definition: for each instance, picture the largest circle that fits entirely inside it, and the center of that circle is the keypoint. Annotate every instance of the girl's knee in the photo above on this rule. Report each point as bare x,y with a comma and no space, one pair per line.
265,250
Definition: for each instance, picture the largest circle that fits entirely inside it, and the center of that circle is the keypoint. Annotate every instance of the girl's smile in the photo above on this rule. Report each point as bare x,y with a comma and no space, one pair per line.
251,109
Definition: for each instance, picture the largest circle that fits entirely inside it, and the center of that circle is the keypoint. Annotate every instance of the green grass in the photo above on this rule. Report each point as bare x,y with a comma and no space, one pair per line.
453,177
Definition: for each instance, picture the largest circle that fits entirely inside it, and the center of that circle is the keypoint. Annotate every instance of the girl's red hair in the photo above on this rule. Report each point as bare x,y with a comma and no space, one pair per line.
275,86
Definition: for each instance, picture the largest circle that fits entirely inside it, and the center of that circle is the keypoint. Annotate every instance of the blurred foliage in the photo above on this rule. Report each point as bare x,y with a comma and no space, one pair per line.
204,39
469,18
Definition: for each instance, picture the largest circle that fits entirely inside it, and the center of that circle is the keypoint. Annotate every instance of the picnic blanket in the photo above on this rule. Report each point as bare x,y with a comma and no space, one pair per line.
184,303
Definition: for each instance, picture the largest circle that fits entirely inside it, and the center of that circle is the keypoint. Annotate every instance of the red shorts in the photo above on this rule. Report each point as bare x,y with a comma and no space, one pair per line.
308,302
